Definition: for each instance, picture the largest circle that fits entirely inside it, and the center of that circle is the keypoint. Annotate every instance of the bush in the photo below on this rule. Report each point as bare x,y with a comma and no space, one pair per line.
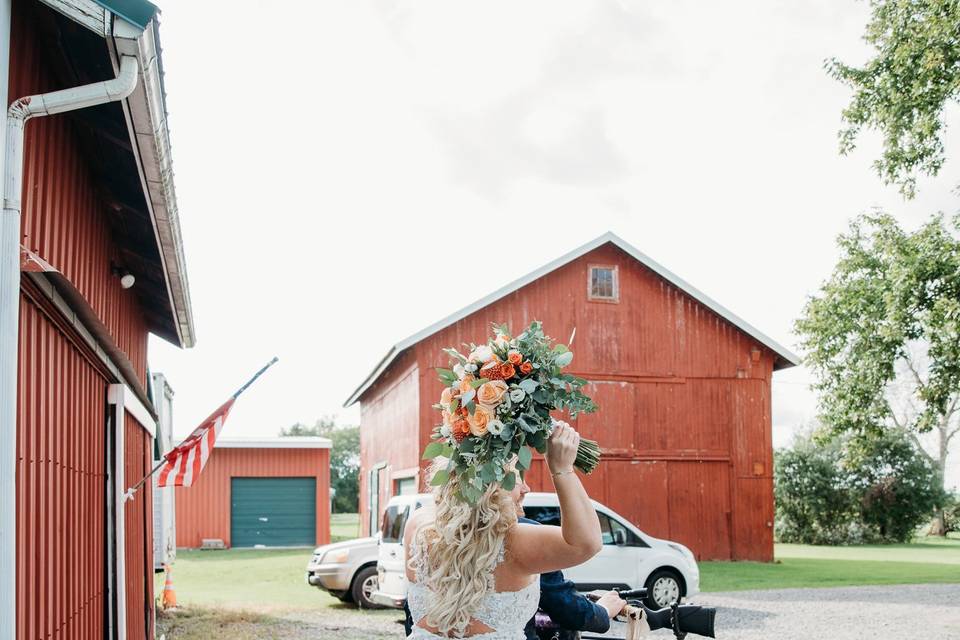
849,491
814,503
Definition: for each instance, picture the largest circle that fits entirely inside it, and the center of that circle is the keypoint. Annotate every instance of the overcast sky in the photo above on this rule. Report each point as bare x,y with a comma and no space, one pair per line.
335,160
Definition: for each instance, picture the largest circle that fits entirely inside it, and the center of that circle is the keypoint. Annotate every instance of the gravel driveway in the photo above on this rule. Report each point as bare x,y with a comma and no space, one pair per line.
844,613
841,613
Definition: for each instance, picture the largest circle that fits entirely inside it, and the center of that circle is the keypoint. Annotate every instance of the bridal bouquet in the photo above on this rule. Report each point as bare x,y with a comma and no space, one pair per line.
496,403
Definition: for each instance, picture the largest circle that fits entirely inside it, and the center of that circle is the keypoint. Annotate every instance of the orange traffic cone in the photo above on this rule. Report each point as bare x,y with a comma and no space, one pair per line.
169,595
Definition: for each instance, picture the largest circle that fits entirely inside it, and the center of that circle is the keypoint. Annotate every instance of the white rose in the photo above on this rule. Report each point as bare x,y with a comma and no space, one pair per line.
483,353
459,370
517,394
495,427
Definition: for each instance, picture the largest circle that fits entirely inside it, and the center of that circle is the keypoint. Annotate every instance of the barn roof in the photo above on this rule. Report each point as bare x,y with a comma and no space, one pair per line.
785,357
134,134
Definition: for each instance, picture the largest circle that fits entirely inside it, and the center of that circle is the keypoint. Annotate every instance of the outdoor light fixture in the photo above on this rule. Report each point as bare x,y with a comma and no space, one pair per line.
127,279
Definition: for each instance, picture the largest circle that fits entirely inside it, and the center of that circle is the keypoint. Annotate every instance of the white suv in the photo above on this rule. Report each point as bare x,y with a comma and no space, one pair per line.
630,559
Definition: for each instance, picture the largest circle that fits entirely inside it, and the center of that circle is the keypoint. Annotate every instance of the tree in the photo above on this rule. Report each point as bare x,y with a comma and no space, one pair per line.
845,490
815,504
903,89
886,325
344,459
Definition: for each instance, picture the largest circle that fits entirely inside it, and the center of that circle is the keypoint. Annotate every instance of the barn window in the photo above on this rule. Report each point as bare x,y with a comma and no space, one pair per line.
603,284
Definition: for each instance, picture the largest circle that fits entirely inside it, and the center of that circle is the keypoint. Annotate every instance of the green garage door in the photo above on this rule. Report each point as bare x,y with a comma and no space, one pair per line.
273,512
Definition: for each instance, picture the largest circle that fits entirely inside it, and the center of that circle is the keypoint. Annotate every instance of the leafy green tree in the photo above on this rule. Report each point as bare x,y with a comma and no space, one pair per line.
891,296
344,459
898,487
815,503
903,89
848,490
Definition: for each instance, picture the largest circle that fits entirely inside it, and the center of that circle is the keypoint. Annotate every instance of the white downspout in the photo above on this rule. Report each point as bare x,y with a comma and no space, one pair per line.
19,112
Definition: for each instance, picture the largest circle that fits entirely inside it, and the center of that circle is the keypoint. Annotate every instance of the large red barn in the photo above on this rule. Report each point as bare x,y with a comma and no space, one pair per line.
90,264
682,383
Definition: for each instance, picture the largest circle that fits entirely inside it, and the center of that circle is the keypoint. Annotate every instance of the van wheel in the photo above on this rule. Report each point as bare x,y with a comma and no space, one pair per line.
364,584
663,589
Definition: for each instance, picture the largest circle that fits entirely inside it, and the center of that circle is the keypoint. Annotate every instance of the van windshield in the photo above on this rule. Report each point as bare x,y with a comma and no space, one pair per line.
393,520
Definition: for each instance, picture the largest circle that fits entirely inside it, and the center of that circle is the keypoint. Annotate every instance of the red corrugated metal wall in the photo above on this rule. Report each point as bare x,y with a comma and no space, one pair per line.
684,399
64,219
138,531
203,510
61,499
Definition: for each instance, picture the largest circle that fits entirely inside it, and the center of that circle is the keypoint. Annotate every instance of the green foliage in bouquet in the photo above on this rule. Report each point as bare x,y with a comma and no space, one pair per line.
496,404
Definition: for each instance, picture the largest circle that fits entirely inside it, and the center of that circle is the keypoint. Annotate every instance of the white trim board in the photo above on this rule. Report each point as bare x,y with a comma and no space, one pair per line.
786,357
284,442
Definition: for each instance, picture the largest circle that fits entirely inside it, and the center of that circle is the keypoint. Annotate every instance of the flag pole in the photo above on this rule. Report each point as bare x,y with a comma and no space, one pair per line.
132,490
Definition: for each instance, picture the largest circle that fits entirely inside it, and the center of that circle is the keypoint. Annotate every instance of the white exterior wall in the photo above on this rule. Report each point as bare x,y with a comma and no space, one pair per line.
164,510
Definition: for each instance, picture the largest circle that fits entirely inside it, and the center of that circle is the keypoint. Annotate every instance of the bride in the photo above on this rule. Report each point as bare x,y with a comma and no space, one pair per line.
473,570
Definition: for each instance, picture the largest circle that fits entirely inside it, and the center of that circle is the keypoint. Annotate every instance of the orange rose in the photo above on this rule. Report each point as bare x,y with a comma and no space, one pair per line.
514,356
526,367
478,421
465,383
491,393
507,371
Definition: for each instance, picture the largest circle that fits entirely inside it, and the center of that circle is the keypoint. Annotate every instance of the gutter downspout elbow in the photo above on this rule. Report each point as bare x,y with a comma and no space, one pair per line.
19,112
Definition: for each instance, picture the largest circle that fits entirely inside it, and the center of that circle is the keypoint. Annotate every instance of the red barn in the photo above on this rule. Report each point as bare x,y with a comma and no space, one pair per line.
90,264
682,383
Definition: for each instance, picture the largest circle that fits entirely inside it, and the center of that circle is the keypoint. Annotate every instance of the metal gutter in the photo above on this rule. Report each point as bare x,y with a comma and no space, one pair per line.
146,114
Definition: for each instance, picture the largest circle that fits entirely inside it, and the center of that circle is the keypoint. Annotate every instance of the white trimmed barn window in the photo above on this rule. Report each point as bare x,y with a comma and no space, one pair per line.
602,283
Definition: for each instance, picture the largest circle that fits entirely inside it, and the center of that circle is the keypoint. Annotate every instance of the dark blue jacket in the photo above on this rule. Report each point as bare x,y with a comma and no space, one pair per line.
561,601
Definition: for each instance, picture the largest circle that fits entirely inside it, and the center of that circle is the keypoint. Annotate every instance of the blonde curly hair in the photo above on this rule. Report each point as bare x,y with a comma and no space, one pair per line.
458,551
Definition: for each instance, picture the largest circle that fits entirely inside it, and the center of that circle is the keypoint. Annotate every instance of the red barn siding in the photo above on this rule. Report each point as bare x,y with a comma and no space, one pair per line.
203,510
138,531
64,219
684,400
394,437
61,500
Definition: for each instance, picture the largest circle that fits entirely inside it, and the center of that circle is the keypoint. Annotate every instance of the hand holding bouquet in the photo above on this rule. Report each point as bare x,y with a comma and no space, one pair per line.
496,403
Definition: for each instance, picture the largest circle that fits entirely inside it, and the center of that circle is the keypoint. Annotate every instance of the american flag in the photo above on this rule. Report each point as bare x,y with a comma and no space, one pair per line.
185,461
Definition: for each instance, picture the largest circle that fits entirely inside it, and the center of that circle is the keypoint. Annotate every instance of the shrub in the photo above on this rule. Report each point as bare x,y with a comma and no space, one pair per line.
815,505
849,491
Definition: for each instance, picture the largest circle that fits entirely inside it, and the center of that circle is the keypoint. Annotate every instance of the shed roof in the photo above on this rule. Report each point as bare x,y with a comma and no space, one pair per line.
282,442
785,357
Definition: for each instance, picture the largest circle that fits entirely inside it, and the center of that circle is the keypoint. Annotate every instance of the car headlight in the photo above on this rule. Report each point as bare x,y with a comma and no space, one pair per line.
334,557
682,550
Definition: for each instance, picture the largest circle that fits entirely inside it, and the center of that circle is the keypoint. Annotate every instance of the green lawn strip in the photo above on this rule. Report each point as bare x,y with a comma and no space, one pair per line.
344,526
241,578
928,560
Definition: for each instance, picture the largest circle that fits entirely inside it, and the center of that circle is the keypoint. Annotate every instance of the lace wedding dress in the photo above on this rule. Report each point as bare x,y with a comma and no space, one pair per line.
505,612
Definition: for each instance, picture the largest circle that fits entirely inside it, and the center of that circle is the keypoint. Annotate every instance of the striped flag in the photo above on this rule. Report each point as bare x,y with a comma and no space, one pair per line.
185,461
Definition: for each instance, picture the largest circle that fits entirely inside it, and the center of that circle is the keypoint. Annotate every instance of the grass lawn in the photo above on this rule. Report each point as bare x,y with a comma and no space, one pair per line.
239,578
344,526
924,561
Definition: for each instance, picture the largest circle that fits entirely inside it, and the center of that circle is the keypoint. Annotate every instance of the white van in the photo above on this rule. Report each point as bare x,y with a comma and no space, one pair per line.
630,559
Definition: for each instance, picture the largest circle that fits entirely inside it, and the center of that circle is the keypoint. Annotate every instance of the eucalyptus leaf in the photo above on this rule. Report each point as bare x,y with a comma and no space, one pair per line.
439,478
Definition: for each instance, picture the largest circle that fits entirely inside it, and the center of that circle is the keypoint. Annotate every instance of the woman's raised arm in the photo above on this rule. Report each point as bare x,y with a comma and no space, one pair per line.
539,549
